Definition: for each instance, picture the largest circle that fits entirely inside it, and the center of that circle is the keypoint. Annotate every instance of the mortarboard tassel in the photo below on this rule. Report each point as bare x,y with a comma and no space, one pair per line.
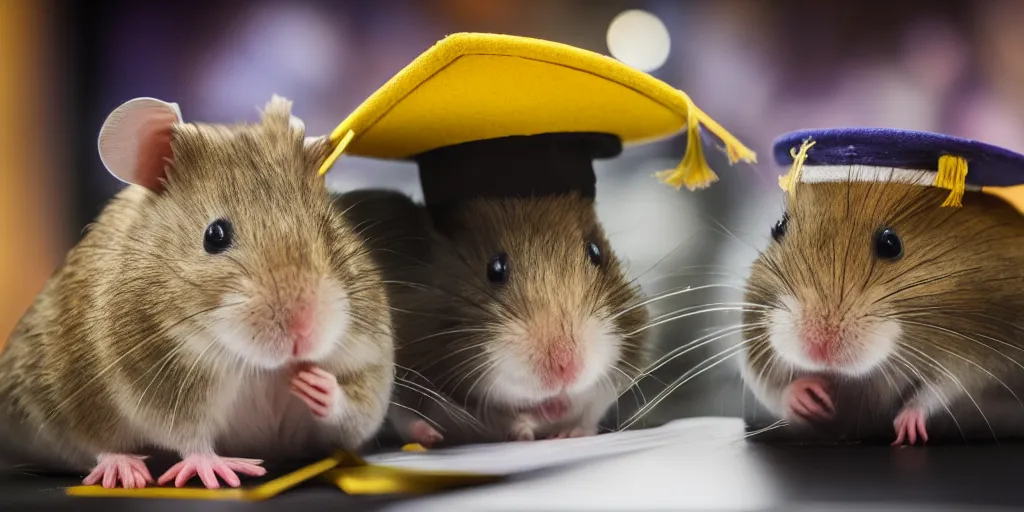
952,175
790,179
338,150
693,171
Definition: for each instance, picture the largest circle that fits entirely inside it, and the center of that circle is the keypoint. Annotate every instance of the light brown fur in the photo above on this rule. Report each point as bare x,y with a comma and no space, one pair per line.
111,356
451,321
956,295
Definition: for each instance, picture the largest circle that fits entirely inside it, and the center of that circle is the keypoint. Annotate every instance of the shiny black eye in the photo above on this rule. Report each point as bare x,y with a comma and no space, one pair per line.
779,229
594,253
218,236
888,245
497,268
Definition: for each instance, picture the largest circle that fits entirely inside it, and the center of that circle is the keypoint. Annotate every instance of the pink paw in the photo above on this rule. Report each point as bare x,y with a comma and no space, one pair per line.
209,466
575,432
553,409
318,389
112,468
807,399
421,432
909,425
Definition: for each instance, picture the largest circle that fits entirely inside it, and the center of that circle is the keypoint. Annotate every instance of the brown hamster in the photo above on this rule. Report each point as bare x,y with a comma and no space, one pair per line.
216,308
513,317
874,308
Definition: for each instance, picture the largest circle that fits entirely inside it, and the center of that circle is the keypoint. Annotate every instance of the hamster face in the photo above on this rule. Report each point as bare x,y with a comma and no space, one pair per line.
547,300
860,273
245,232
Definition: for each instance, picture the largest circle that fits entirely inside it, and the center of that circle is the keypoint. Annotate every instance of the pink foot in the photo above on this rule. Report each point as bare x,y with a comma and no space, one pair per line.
209,466
807,399
575,432
318,389
112,468
421,432
909,425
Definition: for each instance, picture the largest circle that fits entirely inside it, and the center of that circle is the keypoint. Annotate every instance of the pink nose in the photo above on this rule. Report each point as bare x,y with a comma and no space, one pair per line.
821,343
561,367
301,329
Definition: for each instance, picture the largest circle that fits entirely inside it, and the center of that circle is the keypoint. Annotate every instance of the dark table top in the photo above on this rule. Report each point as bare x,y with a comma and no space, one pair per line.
818,477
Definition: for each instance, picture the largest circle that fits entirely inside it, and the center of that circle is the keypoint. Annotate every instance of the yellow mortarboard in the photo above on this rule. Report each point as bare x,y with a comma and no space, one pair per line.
518,105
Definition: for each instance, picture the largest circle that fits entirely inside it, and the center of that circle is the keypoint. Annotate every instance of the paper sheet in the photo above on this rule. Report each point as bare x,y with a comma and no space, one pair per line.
517,457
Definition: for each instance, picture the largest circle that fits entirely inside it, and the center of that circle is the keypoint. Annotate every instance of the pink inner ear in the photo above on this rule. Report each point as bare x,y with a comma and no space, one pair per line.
154,152
135,141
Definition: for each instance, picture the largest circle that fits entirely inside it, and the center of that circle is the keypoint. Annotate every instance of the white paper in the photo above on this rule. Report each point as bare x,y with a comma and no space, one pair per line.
517,457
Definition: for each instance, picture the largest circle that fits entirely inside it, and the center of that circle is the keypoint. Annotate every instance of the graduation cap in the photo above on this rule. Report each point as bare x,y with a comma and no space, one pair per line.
487,115
904,156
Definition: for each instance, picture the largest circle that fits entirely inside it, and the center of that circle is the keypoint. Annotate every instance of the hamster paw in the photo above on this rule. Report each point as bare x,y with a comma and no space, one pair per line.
318,389
521,431
909,425
808,399
209,466
112,468
421,432
575,432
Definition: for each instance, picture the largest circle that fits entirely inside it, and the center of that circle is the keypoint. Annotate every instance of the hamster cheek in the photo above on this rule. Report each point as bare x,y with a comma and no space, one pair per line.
854,344
601,351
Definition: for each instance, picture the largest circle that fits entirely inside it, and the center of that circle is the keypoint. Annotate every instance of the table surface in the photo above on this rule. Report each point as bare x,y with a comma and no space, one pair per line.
742,475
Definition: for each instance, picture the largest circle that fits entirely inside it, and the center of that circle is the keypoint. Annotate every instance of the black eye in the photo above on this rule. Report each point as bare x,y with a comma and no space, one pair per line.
888,245
497,268
779,229
594,253
218,236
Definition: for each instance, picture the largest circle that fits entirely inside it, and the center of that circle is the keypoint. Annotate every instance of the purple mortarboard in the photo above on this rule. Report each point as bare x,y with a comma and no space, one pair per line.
888,154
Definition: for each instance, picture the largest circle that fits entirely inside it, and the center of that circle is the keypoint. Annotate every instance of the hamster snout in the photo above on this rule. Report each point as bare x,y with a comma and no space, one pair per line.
824,334
531,362
291,317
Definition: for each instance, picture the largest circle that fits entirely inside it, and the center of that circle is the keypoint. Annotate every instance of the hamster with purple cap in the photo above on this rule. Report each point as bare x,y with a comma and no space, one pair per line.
890,298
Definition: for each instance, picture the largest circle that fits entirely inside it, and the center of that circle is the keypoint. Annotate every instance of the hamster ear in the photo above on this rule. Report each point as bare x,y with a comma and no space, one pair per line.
135,141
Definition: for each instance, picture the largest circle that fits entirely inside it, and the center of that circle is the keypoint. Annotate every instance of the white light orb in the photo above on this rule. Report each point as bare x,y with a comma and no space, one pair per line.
639,39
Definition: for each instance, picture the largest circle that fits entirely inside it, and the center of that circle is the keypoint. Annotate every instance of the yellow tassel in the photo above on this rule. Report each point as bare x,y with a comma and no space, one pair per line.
790,179
693,172
338,150
952,175
733,147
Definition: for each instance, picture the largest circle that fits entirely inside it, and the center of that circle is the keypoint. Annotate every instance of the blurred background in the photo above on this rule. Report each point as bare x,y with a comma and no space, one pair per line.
759,68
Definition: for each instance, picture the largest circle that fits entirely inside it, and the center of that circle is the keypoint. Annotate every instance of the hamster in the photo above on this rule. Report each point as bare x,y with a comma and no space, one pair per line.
513,317
217,308
874,309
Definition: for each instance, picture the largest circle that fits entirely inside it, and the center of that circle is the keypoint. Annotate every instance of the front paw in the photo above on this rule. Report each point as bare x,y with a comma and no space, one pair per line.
807,399
909,425
574,432
422,433
522,431
319,390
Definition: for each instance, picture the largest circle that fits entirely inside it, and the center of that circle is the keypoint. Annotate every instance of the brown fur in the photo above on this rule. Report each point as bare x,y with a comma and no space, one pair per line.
956,294
448,315
98,365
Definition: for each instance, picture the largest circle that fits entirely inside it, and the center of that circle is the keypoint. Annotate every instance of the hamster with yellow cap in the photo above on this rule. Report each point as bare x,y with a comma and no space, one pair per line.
890,297
514,319
217,308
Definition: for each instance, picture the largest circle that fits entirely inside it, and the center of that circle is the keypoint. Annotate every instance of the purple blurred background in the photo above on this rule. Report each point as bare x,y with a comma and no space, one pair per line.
759,68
